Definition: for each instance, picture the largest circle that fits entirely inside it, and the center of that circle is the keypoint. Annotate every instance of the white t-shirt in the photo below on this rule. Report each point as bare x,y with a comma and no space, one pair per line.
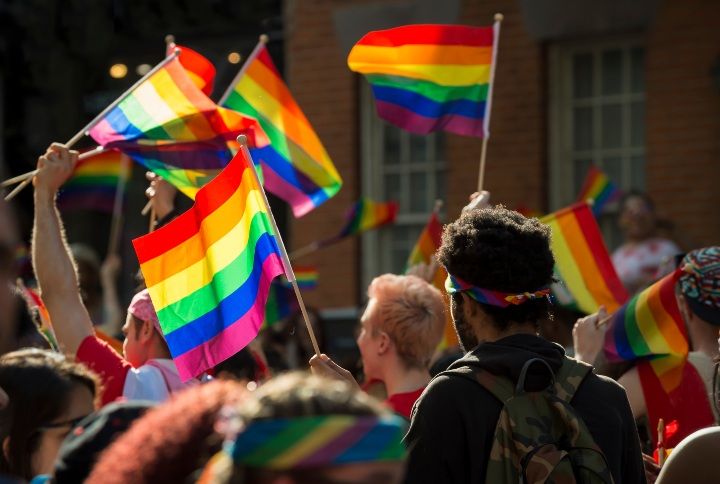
153,381
638,264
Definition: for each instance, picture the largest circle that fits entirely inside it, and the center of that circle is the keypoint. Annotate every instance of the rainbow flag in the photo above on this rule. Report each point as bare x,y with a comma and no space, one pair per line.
366,215
35,302
527,212
598,188
430,77
209,270
198,68
650,327
582,261
95,181
306,277
295,165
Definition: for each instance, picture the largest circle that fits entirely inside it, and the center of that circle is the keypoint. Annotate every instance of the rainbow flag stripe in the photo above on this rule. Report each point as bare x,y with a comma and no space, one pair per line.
168,108
198,68
295,165
651,327
306,277
430,77
366,214
209,270
310,442
598,188
582,260
427,244
95,181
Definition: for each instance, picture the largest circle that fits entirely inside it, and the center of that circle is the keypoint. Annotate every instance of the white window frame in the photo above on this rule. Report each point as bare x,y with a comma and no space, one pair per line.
561,152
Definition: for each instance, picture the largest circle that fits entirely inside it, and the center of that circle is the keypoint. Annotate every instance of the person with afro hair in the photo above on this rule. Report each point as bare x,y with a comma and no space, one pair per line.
500,267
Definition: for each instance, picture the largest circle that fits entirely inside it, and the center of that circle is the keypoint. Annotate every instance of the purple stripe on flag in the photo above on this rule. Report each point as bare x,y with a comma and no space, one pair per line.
337,446
416,123
300,202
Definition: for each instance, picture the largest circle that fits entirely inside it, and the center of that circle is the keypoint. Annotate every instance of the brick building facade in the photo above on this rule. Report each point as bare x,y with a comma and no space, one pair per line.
637,92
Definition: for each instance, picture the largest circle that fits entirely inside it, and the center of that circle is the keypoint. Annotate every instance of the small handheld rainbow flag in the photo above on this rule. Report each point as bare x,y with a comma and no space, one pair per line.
366,215
306,277
295,164
598,188
95,181
651,327
209,270
35,302
582,261
431,77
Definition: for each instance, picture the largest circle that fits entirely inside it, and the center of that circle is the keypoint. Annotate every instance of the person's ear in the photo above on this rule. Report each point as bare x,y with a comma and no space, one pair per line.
147,330
6,448
469,306
384,343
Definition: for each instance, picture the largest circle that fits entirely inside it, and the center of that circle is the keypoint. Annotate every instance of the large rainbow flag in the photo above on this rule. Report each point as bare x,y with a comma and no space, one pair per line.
430,77
209,270
598,188
650,327
95,181
582,261
423,253
295,164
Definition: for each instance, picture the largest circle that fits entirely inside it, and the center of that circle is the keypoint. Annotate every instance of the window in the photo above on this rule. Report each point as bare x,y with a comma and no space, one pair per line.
597,105
398,165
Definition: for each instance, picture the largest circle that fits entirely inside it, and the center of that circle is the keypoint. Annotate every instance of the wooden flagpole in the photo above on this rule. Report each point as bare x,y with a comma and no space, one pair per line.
289,273
488,107
261,43
78,136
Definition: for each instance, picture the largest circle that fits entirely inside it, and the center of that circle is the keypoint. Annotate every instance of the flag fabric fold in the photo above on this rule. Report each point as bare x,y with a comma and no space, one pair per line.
582,261
209,270
295,164
366,214
429,78
198,68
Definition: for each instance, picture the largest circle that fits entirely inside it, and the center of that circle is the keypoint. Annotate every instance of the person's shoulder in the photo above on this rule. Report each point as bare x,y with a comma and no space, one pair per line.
602,385
452,387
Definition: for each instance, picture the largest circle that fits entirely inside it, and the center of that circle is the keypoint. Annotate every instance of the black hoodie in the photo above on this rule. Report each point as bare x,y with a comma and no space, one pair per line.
453,422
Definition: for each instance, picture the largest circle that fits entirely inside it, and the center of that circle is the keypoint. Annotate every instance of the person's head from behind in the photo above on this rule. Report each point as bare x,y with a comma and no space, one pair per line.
699,290
501,267
311,430
48,394
402,324
143,337
637,219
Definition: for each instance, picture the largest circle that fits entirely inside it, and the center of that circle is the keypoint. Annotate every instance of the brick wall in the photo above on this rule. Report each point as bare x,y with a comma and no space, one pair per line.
683,118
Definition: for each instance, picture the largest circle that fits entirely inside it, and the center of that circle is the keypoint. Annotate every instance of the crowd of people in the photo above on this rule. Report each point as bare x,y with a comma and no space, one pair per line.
508,405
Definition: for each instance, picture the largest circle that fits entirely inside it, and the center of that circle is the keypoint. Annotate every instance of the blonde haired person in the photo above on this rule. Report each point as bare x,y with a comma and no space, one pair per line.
399,331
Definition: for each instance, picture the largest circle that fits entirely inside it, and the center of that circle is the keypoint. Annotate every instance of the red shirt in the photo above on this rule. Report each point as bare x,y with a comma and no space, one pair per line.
402,403
107,363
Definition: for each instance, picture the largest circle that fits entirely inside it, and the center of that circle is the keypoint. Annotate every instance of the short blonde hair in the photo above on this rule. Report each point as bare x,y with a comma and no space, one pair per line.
412,313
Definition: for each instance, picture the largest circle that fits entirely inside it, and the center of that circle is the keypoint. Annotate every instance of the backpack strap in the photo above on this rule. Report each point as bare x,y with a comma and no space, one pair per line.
500,387
569,377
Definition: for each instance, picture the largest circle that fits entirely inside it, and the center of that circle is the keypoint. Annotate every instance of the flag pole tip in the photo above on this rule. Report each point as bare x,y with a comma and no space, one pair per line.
242,139
499,17
169,39
264,38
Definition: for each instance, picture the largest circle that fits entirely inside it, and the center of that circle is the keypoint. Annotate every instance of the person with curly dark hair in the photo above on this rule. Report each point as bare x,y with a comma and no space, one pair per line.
500,267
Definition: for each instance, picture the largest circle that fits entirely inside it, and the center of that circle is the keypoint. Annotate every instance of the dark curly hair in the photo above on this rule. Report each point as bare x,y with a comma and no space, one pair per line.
499,249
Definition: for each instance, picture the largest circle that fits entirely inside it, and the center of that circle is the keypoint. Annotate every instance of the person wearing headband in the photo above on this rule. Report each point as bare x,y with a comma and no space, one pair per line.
500,268
302,428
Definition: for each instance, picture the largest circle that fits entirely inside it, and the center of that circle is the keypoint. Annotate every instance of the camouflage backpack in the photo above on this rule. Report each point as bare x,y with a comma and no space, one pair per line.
539,438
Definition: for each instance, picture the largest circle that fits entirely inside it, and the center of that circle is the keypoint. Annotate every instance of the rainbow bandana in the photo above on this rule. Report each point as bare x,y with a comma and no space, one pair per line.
454,285
319,441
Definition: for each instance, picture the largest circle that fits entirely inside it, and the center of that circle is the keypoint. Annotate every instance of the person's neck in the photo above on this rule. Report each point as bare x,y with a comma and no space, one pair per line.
399,379
703,338
491,335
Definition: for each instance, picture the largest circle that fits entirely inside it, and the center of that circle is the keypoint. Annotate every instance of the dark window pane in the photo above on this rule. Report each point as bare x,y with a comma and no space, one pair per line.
637,124
612,166
418,148
392,144
419,197
582,75
637,70
637,171
581,170
612,126
583,128
612,72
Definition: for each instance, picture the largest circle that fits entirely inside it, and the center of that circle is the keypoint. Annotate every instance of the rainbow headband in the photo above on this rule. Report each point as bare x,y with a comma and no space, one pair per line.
319,441
454,285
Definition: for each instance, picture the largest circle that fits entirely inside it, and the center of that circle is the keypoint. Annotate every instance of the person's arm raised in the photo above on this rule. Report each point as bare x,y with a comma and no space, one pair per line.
52,261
